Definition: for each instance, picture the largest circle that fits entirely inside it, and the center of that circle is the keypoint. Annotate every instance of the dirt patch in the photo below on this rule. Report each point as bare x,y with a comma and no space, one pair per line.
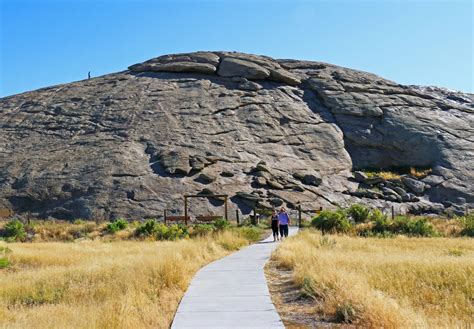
295,310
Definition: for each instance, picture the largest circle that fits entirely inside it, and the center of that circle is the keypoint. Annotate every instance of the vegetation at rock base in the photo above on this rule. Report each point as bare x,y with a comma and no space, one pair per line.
121,284
359,220
467,224
383,283
117,225
14,230
332,221
117,230
396,172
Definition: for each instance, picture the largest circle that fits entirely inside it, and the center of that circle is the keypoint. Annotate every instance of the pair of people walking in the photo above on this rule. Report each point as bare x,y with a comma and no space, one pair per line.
280,222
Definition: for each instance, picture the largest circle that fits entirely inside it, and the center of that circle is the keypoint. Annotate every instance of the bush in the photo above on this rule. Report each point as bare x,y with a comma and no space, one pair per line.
117,225
467,225
4,261
173,232
250,233
14,230
221,224
332,221
359,213
162,232
416,227
382,225
202,229
376,215
148,228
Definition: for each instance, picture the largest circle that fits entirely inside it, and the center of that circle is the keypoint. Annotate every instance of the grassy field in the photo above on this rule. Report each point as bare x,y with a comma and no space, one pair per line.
97,284
397,282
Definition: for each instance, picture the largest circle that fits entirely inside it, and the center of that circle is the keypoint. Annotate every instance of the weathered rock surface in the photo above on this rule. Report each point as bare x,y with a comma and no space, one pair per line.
132,143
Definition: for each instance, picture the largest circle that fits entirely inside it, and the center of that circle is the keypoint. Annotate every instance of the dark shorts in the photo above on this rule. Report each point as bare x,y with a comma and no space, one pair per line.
275,227
284,230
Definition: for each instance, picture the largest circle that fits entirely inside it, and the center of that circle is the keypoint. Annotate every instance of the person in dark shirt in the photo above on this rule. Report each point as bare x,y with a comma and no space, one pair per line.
275,226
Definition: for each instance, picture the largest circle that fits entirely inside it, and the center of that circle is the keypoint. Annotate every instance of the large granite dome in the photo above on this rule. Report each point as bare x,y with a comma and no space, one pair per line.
262,130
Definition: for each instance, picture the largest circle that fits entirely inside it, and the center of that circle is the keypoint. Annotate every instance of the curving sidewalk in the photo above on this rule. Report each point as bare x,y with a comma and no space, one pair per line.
231,292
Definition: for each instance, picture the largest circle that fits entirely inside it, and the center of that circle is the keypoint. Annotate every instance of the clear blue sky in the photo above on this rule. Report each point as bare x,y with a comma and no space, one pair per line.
412,42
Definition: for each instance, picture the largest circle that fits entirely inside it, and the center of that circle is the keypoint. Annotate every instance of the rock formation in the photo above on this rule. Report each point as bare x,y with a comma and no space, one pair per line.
266,132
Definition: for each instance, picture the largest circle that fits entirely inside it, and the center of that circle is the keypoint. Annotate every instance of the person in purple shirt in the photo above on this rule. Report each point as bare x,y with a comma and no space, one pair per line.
284,220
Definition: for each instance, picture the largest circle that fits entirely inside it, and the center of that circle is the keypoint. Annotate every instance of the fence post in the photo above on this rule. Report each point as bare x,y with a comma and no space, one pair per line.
254,220
186,210
164,216
299,215
393,212
225,207
237,217
467,210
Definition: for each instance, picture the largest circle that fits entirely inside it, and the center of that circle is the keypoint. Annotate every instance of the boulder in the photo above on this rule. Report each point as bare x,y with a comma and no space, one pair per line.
281,75
433,180
413,184
227,173
307,178
250,200
263,174
189,67
276,202
260,181
231,67
261,166
400,191
275,184
312,179
393,198
198,163
206,178
362,177
388,191
249,85
175,161
410,197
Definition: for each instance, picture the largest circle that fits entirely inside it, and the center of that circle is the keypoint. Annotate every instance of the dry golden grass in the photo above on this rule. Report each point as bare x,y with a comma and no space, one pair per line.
92,284
392,283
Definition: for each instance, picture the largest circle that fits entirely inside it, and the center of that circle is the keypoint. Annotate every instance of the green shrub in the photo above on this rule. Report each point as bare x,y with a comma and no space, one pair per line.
382,225
416,227
14,230
162,232
173,232
359,213
332,221
4,261
251,233
117,225
221,224
467,225
202,229
376,215
148,228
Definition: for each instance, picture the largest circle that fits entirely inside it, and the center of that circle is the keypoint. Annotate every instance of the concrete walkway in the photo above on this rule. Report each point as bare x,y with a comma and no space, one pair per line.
231,293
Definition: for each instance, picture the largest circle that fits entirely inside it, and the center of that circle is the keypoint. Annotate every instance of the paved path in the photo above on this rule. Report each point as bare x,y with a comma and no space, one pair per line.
231,293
